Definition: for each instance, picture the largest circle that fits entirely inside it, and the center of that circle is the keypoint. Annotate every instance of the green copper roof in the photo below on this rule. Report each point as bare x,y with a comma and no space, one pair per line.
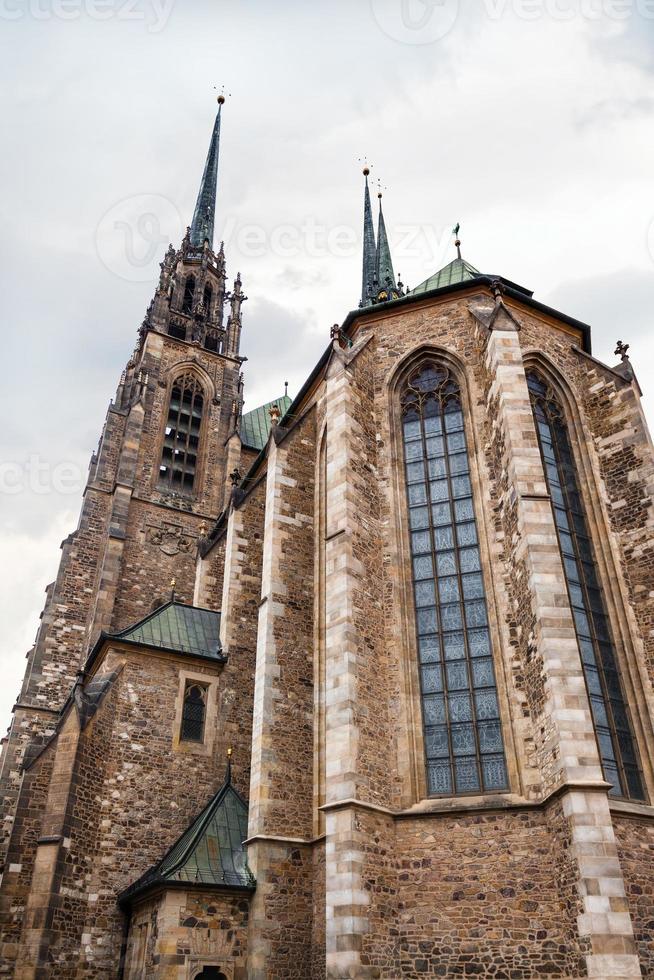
210,852
450,275
174,626
255,425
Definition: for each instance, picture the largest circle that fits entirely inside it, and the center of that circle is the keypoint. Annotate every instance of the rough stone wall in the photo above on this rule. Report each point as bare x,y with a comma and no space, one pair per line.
17,874
376,683
635,839
193,927
481,894
281,789
240,604
159,547
318,913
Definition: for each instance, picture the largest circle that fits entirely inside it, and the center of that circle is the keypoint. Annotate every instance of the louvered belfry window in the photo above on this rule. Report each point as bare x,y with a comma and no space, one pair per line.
193,713
610,713
179,459
461,718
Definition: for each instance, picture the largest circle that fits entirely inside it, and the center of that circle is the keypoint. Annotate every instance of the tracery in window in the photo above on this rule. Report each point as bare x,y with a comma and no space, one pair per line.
193,712
179,457
610,713
461,718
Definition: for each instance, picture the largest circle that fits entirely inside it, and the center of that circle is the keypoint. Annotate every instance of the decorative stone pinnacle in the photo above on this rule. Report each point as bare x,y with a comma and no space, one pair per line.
275,414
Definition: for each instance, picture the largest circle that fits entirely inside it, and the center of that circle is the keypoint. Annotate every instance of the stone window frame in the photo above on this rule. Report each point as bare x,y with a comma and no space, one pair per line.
173,373
188,677
415,774
196,964
628,649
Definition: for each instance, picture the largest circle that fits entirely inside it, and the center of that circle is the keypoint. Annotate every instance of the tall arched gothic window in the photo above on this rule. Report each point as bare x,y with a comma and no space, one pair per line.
461,718
610,713
179,458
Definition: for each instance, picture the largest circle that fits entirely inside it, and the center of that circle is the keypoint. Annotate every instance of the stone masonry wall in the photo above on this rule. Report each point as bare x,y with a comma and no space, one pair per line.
635,838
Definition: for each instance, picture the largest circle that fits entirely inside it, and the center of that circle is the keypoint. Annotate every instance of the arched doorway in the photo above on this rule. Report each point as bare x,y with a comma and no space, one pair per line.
211,973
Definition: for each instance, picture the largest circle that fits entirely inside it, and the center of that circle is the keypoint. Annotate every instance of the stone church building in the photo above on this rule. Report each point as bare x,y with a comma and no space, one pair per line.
357,684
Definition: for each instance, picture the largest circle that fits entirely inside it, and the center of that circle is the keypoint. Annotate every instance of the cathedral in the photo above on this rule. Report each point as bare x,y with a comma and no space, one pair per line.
357,684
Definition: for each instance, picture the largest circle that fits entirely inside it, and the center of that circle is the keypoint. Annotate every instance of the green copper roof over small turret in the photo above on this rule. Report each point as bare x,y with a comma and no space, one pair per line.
205,206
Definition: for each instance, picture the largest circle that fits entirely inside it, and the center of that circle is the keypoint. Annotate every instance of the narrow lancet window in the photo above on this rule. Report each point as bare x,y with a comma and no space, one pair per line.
193,713
179,457
610,713
462,731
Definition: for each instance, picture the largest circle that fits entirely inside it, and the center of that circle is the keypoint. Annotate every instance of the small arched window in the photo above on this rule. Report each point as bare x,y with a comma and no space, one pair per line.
461,718
179,458
193,713
610,713
189,292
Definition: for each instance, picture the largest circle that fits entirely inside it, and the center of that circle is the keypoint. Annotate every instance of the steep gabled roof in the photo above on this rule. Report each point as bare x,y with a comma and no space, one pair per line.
174,626
210,853
255,425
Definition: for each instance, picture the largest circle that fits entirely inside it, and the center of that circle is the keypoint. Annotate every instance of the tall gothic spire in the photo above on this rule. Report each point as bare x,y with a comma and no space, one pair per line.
205,206
368,286
384,273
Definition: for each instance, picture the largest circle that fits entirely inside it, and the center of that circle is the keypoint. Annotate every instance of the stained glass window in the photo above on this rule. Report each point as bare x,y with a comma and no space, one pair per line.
462,731
182,435
610,713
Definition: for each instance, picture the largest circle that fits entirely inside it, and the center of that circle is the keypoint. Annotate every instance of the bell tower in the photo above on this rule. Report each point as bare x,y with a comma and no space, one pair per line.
158,479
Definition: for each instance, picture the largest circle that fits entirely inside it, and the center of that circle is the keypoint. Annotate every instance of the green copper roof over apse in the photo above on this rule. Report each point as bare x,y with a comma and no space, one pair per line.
450,275
209,853
175,626
255,425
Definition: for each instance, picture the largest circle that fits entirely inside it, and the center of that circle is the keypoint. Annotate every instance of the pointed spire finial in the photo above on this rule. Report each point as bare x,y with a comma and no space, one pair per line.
369,246
457,240
228,773
172,589
205,207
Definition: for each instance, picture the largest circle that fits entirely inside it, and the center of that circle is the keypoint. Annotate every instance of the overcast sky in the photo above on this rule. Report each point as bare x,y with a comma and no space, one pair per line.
529,121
